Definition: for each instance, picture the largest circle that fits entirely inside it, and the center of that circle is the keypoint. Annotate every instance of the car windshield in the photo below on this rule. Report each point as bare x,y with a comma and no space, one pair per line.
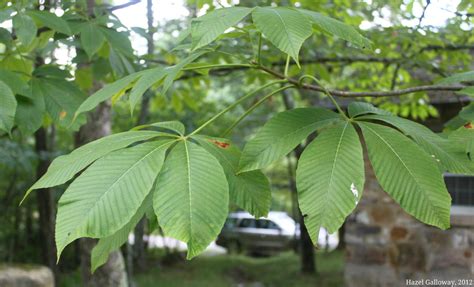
248,223
230,223
266,224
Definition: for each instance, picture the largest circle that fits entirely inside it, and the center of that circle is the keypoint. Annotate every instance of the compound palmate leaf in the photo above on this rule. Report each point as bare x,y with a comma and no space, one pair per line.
191,197
330,178
281,134
408,174
65,167
249,190
286,28
208,27
106,195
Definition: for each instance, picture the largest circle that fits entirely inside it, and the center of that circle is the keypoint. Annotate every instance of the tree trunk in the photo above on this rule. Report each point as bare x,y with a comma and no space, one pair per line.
342,233
139,248
112,273
45,200
308,264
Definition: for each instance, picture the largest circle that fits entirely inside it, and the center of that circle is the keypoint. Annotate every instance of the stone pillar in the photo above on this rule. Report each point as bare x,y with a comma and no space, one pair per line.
386,247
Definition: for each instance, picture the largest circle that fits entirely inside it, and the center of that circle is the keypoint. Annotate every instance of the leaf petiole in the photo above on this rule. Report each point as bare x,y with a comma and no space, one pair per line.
253,107
236,103
325,91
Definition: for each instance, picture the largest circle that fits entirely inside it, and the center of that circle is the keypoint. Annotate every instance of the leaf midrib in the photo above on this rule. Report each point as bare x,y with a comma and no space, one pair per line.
188,167
409,171
85,217
286,31
336,155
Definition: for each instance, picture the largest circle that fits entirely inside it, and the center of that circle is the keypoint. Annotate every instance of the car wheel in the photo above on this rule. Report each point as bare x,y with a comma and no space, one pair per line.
234,247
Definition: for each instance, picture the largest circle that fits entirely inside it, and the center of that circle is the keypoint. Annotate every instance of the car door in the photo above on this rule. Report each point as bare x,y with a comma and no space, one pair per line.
270,235
247,233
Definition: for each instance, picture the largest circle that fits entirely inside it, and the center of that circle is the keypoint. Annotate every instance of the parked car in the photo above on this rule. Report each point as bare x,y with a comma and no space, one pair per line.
242,232
265,236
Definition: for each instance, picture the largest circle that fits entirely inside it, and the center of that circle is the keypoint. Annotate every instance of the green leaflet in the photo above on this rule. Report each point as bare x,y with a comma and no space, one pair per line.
25,28
467,113
7,108
467,91
118,41
458,78
360,108
174,126
61,98
6,37
249,190
408,174
5,14
108,193
149,78
449,154
191,197
338,28
30,111
91,38
208,27
107,92
124,83
52,21
16,83
286,28
65,167
106,245
465,138
281,134
330,178
173,71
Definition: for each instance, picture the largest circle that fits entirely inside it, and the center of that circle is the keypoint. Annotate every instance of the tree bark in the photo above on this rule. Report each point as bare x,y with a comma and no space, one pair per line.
111,274
139,248
45,201
308,264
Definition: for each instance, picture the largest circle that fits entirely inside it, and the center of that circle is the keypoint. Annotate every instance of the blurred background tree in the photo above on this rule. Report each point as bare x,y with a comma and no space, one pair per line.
415,43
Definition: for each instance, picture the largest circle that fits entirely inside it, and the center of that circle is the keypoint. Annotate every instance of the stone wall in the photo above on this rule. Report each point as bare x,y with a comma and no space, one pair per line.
386,247
26,276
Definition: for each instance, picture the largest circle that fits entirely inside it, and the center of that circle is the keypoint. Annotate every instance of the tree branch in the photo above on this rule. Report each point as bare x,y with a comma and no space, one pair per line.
375,94
125,5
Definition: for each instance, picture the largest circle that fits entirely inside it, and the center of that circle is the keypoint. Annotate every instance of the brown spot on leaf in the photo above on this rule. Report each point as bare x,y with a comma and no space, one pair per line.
62,115
468,126
220,144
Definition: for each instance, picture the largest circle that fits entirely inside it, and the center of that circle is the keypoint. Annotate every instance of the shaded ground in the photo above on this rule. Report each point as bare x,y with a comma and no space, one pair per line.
238,270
